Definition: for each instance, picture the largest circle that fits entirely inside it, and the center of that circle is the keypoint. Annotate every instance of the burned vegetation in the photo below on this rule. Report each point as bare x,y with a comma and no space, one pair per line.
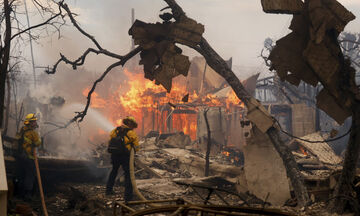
195,139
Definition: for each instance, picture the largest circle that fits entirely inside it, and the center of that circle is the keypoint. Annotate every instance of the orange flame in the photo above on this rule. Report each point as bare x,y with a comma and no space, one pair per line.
96,101
303,150
147,102
186,123
227,154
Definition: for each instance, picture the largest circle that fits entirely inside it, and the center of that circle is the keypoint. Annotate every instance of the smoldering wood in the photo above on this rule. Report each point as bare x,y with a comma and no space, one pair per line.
184,111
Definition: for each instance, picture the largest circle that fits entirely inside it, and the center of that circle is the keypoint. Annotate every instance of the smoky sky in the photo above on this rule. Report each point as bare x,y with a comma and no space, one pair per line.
235,28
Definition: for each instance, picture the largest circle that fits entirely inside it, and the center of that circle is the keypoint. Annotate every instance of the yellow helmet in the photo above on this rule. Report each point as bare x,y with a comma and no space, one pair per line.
130,120
30,117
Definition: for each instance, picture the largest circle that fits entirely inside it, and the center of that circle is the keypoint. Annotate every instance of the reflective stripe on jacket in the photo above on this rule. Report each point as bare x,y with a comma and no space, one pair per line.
130,137
31,139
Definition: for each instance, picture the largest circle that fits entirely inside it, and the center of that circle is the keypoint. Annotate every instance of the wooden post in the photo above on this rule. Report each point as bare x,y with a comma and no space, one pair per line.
169,122
188,125
208,148
161,123
143,122
153,119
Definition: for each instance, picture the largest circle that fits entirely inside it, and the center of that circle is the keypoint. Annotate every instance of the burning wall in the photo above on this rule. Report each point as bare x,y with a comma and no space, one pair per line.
157,110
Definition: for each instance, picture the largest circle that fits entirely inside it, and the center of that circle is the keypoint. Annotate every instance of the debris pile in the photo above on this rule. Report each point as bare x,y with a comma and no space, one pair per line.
318,163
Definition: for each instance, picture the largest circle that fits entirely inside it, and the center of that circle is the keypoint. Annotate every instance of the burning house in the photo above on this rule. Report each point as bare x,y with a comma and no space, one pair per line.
181,110
179,118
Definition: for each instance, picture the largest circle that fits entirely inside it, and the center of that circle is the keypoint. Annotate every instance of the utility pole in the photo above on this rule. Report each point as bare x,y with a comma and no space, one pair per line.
132,22
31,47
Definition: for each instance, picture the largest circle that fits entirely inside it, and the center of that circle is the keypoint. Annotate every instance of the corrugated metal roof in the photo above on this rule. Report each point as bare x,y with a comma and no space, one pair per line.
321,150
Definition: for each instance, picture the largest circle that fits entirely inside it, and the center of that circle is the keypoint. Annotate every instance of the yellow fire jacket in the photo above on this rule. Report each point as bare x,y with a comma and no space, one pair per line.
31,140
130,137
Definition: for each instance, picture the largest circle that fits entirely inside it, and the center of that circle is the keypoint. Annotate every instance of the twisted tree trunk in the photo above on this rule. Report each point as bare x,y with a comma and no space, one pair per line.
7,111
292,170
4,58
344,189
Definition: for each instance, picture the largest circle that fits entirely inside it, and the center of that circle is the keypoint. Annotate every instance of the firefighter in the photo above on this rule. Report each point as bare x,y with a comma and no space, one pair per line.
28,139
122,139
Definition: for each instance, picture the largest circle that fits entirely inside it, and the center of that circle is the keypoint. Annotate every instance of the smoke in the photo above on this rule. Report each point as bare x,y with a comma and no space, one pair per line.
77,140
56,99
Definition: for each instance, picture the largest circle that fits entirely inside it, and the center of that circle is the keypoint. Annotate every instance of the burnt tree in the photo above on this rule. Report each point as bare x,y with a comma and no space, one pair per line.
311,53
8,16
4,58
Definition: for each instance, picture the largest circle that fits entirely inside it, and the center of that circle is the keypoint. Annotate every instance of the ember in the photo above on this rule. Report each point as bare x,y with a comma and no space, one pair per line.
303,150
227,154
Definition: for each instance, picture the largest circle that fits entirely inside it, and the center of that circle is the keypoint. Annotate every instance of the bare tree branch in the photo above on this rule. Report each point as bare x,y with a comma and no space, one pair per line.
175,8
40,24
70,14
265,58
80,61
80,115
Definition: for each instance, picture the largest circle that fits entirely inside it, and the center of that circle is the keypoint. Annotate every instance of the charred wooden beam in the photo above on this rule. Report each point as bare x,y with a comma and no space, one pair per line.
181,111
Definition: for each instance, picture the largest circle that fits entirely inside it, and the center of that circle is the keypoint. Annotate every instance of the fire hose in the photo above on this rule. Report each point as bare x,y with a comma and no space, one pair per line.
132,177
40,183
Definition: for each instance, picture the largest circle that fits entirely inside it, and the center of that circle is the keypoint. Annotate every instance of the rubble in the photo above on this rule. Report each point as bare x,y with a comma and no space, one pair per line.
176,140
178,172
320,151
318,163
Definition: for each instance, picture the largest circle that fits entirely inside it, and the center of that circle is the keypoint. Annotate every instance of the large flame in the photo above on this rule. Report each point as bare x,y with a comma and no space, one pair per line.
149,104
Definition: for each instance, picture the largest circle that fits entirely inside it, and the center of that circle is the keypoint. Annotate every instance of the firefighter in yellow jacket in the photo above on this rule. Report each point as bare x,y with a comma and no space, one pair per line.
28,139
122,139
